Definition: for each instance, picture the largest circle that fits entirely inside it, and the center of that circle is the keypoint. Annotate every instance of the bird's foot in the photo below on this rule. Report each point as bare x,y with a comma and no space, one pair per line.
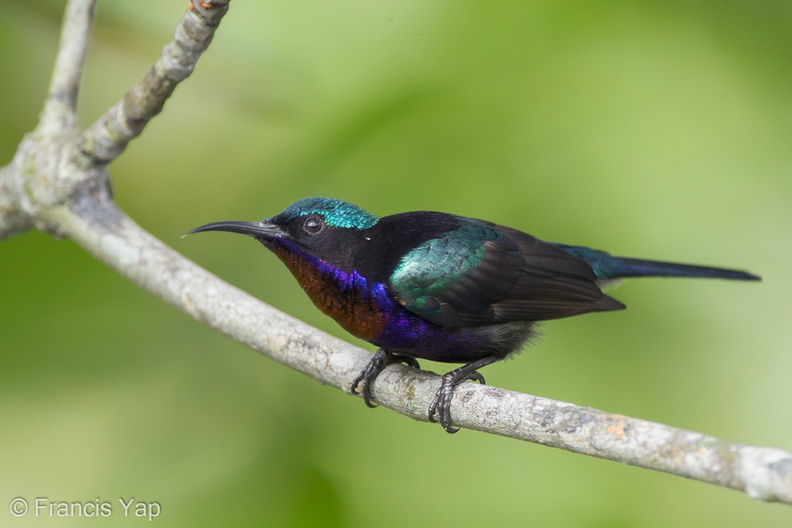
381,359
441,404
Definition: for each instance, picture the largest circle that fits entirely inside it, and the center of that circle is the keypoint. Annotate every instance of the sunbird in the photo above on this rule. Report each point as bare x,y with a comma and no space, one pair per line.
442,287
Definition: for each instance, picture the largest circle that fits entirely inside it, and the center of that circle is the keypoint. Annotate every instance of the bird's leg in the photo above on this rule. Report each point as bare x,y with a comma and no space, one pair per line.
381,359
441,404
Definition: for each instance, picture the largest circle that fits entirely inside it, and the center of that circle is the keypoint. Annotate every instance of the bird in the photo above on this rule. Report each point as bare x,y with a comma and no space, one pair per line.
441,287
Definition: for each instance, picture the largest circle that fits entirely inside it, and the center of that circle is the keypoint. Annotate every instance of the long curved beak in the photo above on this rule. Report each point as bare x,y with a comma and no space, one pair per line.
261,229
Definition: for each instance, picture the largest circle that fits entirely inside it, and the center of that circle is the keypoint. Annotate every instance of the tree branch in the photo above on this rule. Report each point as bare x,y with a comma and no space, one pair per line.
33,181
61,104
108,137
39,151
58,180
12,219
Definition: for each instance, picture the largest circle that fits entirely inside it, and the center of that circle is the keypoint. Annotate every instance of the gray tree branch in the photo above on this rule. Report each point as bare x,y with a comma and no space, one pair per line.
109,136
61,105
58,182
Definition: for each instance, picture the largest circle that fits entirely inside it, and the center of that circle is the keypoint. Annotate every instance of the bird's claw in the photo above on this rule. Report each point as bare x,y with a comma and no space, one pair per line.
381,359
409,361
365,391
441,404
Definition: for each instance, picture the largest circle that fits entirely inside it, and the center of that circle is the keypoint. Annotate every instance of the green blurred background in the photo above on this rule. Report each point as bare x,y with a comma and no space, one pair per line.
653,129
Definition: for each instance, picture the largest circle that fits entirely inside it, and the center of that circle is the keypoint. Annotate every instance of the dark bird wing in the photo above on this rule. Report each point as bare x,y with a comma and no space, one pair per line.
481,273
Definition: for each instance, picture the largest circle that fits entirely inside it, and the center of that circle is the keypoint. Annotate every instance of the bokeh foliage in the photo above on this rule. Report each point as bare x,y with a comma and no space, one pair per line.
652,129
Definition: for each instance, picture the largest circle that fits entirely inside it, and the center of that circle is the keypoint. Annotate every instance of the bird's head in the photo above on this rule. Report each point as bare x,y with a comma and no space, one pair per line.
322,227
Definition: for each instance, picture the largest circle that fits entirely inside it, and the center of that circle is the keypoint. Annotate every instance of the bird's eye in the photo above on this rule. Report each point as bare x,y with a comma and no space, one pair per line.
313,225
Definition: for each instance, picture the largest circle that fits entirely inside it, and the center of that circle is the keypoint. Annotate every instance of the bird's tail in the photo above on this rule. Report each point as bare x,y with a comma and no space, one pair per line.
631,267
607,267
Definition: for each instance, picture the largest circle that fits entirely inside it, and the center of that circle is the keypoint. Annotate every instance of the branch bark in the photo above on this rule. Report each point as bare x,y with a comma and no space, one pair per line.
61,105
58,182
108,137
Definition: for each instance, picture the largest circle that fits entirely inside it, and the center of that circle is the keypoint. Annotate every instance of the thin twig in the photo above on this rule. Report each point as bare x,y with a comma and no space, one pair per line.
108,137
61,104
